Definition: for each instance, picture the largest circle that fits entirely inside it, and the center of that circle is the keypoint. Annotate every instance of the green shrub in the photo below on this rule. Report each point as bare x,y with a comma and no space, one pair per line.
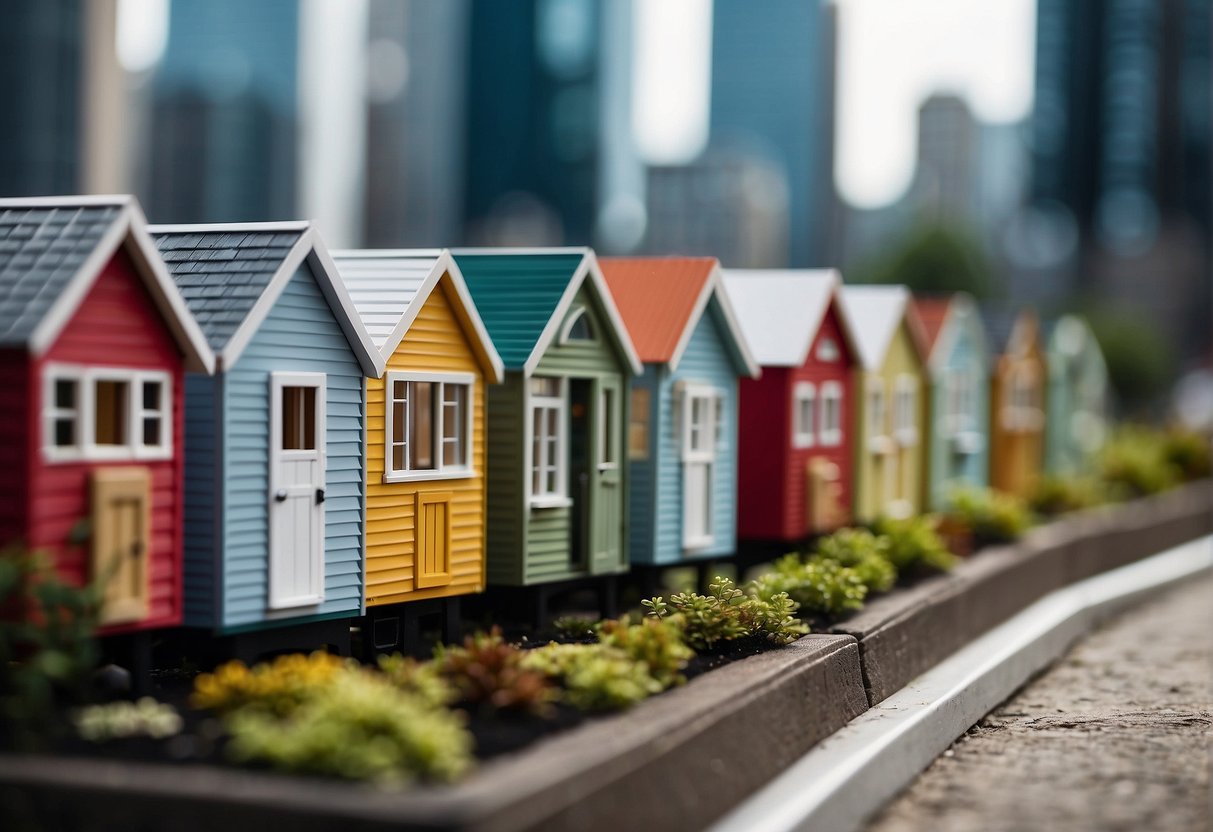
277,686
1189,452
727,614
990,515
1135,461
862,551
47,648
121,720
820,586
914,544
359,726
658,644
487,672
421,679
594,677
1059,493
574,626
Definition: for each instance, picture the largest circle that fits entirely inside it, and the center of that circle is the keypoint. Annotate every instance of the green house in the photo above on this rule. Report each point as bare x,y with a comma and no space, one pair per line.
557,477
1077,398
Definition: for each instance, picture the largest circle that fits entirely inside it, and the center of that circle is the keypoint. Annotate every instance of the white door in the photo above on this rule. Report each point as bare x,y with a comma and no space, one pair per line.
698,458
296,498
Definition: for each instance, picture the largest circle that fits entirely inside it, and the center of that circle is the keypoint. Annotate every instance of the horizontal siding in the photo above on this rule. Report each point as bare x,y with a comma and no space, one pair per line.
434,343
300,334
203,456
643,473
505,509
706,361
548,546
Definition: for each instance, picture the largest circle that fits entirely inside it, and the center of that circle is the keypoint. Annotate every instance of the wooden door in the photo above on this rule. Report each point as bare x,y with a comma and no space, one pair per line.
606,493
824,509
296,498
433,539
121,516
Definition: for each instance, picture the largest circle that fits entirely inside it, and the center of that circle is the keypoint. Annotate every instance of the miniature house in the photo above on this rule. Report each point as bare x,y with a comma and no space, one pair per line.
275,487
94,342
557,485
425,448
795,420
1076,401
682,431
890,427
1017,392
957,400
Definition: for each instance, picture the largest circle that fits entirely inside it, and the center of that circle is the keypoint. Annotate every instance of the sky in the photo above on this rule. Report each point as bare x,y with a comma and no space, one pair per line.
893,53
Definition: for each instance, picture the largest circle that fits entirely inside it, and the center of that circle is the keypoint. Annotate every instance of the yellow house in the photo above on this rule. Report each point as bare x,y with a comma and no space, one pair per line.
890,433
424,442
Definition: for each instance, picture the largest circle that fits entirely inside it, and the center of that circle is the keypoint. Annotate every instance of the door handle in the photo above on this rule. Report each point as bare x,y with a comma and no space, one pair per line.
280,495
319,495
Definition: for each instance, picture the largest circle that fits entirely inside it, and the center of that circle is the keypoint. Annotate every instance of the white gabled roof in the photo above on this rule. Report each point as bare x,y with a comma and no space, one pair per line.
874,313
390,286
780,310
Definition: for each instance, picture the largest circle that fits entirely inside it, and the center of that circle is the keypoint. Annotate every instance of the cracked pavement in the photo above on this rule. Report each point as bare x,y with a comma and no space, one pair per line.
1116,736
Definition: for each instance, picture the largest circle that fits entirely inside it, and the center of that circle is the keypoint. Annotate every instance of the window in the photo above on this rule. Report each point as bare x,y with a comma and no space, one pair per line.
718,421
106,413
428,426
577,327
876,416
638,426
905,403
831,414
548,469
804,414
827,350
1022,410
607,457
298,418
960,398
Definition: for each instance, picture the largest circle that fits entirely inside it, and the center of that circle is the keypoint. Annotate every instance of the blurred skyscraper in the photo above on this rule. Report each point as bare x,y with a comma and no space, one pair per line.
945,179
1121,150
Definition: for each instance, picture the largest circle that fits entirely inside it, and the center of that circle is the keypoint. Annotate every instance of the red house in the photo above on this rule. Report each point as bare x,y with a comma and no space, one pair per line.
795,424
94,342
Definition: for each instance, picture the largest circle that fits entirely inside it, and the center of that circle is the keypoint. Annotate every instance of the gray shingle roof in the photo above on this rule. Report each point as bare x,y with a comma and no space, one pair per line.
41,249
222,273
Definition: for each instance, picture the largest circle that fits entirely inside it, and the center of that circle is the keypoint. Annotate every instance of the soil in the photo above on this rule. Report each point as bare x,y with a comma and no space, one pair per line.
1114,737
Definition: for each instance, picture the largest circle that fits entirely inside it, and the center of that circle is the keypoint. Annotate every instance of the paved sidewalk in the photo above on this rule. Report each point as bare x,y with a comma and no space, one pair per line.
1117,736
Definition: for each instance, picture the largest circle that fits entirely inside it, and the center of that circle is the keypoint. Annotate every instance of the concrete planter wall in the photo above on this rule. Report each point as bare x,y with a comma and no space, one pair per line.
677,761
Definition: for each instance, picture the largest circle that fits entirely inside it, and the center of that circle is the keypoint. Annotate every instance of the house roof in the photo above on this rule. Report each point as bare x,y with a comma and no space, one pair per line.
932,313
52,249
662,299
1007,326
390,286
523,294
874,313
780,310
232,274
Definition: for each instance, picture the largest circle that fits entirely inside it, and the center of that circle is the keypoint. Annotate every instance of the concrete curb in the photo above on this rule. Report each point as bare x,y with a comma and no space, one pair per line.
850,776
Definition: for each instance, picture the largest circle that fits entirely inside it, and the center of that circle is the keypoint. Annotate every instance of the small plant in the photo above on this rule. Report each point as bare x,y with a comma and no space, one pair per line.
594,677
1058,494
122,720
575,626
914,544
821,586
420,679
488,672
278,686
727,614
355,725
1189,452
863,552
989,515
47,649
658,644
1136,462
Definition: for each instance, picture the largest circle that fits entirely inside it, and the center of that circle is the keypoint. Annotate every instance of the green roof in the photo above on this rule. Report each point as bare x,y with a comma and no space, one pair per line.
516,295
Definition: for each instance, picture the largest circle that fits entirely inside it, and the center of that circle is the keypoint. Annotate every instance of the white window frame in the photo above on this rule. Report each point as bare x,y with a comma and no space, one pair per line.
877,427
831,437
560,403
439,471
905,403
706,454
575,315
827,350
86,449
804,400
608,439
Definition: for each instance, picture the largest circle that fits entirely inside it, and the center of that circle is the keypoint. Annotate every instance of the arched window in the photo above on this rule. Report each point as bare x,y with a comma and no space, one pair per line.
577,327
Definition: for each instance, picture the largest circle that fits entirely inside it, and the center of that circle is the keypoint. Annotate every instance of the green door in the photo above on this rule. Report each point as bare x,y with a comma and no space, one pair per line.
606,500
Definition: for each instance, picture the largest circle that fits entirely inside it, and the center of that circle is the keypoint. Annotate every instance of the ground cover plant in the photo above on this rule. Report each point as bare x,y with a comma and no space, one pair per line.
988,515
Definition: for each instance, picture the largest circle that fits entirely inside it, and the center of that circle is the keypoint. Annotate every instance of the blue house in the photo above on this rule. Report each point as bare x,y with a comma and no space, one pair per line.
275,484
958,397
682,433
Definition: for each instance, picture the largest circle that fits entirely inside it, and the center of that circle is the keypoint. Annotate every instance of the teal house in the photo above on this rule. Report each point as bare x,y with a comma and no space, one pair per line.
682,434
1076,400
958,394
275,482
557,426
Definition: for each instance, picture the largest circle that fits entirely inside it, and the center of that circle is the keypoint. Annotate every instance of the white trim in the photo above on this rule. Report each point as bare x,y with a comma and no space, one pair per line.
905,407
440,471
212,227
714,286
830,391
279,380
577,313
804,392
66,201
704,456
86,449
560,403
606,438
879,441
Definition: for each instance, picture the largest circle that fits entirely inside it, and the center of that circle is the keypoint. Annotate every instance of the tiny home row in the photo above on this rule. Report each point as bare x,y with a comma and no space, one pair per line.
237,430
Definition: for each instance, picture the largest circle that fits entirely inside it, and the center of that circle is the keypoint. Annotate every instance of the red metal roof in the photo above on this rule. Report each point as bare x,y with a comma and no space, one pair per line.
931,313
655,297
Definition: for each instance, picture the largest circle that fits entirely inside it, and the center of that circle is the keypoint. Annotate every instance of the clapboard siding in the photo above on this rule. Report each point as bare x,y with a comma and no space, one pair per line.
506,512
203,461
642,491
435,342
300,334
706,361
